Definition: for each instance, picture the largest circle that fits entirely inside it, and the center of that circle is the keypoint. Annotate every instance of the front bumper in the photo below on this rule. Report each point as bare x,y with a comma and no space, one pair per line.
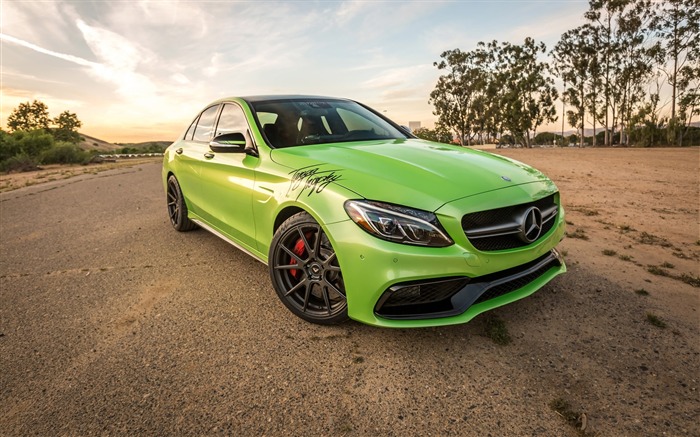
374,269
417,300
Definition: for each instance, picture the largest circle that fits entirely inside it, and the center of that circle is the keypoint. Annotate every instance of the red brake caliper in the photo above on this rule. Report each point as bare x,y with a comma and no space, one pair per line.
299,251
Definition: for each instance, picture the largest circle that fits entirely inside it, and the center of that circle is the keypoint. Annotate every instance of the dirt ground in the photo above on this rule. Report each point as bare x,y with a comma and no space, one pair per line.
111,323
632,214
57,172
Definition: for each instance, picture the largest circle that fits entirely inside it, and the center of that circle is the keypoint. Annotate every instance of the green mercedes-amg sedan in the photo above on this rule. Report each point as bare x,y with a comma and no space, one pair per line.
356,218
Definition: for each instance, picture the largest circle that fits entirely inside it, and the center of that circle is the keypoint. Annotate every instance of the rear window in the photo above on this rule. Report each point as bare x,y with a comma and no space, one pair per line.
205,124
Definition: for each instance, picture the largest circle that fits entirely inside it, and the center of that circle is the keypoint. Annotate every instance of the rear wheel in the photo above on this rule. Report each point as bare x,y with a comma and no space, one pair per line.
177,208
305,271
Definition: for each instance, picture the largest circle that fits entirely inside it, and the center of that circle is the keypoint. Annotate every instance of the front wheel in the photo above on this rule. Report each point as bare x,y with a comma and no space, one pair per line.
305,271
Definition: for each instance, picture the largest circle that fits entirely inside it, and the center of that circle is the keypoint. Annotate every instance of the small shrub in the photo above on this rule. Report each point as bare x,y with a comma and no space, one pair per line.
653,240
642,292
496,330
19,163
609,252
563,408
625,257
65,153
586,211
668,265
656,270
656,321
690,279
579,233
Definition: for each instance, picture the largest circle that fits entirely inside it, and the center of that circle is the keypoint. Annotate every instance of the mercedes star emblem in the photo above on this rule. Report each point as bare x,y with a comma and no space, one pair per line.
531,225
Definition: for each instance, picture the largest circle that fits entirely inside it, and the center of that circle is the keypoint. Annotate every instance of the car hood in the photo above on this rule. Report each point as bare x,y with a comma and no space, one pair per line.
412,172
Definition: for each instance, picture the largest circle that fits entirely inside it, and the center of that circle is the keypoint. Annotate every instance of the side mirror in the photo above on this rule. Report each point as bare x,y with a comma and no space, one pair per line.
234,142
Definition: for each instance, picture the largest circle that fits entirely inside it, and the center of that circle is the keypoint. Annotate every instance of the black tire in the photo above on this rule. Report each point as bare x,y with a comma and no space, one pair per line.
177,208
305,271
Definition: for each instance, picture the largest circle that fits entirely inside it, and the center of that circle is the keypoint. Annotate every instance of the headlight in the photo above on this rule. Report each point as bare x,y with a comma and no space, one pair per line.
399,224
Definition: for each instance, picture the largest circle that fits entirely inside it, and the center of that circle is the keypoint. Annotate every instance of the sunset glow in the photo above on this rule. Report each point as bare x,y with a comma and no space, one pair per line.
138,70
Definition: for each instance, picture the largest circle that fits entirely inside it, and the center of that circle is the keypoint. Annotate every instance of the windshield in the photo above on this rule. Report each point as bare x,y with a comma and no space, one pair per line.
297,122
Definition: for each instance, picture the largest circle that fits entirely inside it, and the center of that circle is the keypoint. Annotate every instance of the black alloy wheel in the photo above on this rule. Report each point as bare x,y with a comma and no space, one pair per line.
305,271
177,208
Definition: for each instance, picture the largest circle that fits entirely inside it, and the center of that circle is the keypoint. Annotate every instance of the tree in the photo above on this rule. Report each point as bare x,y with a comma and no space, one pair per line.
677,24
28,116
638,56
496,88
456,91
575,62
439,135
67,125
528,93
645,124
623,58
548,138
689,103
603,16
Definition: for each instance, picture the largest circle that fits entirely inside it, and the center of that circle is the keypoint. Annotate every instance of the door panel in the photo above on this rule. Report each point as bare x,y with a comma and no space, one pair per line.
226,183
227,186
189,154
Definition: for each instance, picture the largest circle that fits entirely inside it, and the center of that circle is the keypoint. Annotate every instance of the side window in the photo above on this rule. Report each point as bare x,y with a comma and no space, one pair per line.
205,125
190,130
232,120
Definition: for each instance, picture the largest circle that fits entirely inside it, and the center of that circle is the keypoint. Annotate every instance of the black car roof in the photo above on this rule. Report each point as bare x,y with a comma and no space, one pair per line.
277,97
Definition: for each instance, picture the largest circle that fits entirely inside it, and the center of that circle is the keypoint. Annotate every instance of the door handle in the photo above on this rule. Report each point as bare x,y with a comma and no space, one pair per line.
209,155
179,151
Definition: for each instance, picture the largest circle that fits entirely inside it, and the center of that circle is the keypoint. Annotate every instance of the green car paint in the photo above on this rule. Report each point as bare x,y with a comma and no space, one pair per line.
245,197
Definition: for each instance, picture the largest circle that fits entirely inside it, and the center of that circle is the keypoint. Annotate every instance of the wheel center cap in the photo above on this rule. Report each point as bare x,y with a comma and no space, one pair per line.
315,270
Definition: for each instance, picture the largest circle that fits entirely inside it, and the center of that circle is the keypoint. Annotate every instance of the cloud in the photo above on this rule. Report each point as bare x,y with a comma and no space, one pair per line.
12,97
558,22
66,57
43,22
119,60
349,10
397,76
111,48
8,73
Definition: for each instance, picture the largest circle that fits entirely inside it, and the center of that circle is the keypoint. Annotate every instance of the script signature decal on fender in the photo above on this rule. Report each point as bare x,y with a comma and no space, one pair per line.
312,179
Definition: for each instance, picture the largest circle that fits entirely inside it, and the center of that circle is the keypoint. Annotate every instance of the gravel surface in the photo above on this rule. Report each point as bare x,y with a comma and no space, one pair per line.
112,323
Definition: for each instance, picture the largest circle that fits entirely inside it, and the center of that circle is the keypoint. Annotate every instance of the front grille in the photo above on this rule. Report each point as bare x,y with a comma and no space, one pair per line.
501,228
452,296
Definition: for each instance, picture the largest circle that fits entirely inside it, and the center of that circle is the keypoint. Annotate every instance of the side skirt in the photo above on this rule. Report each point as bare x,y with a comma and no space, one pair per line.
228,240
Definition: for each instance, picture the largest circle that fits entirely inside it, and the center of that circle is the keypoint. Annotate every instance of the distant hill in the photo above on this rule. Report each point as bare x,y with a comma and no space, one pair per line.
92,143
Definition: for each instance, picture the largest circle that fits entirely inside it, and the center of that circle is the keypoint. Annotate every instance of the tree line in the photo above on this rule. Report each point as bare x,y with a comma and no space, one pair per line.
35,138
612,72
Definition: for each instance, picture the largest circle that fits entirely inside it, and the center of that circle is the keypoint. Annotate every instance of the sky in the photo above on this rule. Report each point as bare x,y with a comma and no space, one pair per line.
141,70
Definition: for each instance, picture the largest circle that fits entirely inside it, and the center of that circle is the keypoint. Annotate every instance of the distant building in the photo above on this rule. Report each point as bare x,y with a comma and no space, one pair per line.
413,125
